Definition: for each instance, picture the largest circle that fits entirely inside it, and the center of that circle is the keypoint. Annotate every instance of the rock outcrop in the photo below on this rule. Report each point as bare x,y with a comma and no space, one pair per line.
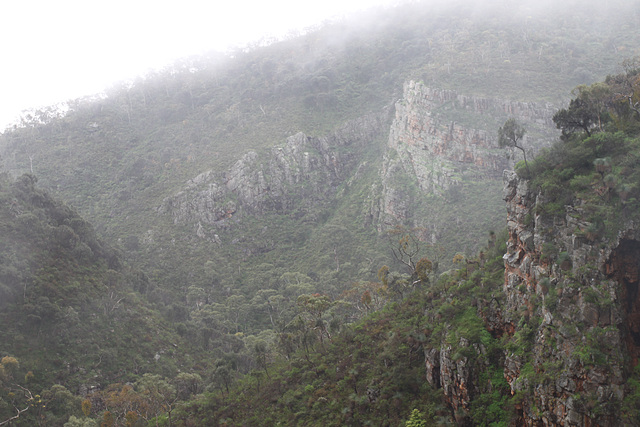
444,137
431,143
456,375
569,320
300,175
446,142
575,296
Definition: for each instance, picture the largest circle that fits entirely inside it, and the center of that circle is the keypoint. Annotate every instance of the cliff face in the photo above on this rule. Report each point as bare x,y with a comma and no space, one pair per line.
436,149
577,294
444,137
438,139
296,178
568,321
446,142
438,171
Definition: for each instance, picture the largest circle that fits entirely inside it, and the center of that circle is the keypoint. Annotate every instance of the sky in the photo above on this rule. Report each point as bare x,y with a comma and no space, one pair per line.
56,50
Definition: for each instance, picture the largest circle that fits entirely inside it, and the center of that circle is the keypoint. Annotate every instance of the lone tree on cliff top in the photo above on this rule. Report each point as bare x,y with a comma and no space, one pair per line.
510,135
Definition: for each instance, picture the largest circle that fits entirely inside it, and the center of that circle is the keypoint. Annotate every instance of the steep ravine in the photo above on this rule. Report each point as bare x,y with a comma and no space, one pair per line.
439,160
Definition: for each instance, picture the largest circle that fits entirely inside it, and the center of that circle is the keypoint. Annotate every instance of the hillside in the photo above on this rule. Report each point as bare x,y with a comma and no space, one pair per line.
540,331
292,233
118,158
72,314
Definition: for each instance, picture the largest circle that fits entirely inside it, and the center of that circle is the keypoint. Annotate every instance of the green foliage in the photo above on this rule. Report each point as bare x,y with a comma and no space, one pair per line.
631,403
71,317
551,300
416,419
593,351
423,267
116,158
373,369
267,299
549,252
564,261
598,166
80,422
522,340
585,111
493,407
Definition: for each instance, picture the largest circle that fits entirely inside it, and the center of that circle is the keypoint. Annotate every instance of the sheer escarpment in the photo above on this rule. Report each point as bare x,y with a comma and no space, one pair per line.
575,295
446,138
567,318
435,165
447,142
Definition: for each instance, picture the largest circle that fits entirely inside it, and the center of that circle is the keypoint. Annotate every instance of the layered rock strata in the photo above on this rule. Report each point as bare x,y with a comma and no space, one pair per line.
444,137
444,141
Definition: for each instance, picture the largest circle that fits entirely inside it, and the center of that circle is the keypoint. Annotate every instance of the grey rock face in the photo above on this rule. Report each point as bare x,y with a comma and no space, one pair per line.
443,140
430,140
423,145
305,170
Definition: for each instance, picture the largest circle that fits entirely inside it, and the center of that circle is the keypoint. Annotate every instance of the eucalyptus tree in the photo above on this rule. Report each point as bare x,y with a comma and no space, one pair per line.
511,134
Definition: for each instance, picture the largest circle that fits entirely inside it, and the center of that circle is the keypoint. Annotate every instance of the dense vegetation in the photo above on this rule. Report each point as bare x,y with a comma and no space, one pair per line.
75,316
372,373
597,160
332,322
115,158
72,314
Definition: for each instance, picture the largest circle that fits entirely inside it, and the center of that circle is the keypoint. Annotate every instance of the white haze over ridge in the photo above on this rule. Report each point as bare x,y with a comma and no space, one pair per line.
53,51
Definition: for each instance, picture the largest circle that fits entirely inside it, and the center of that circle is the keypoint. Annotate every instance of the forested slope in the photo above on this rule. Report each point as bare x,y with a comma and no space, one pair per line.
542,330
73,316
263,202
117,157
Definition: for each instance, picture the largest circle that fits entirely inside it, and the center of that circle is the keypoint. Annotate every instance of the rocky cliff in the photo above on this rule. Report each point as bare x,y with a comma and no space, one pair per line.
446,143
438,164
576,294
297,178
444,137
568,320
